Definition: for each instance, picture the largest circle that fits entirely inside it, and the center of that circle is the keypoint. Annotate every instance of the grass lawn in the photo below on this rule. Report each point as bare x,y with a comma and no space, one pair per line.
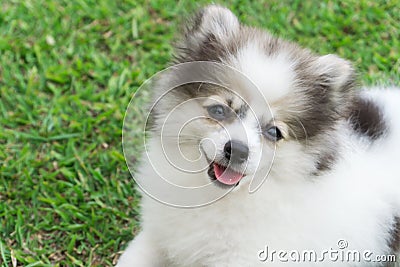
67,72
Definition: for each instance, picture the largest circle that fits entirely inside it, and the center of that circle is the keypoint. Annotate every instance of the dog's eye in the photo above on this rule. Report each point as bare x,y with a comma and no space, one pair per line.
273,133
218,112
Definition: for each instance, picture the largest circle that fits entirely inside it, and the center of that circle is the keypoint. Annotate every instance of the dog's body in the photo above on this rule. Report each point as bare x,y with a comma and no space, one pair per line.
335,175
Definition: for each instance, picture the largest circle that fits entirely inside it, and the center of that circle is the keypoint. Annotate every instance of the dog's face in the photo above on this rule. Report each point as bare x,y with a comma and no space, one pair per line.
272,110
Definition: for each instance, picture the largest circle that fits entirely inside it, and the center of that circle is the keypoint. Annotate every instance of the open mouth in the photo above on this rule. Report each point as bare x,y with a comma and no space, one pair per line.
224,175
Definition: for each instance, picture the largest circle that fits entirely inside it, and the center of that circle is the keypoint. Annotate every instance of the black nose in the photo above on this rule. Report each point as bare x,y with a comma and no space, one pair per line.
236,151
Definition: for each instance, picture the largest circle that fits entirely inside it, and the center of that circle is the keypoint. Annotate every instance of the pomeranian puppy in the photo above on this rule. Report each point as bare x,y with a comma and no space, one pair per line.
285,162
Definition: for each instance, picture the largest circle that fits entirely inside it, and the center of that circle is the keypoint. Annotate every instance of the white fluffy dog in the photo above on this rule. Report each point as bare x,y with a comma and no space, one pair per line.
330,152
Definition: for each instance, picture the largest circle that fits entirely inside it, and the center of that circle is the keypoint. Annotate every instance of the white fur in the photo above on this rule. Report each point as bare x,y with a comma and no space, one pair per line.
355,202
273,75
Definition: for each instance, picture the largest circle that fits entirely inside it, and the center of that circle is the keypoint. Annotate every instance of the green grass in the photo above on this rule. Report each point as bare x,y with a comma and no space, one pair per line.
67,72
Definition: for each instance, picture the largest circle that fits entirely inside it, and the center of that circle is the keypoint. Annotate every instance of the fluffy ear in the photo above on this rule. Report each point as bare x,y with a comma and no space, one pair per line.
335,72
213,22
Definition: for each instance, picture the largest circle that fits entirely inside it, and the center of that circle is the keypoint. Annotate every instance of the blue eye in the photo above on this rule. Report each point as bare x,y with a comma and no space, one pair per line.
273,133
217,112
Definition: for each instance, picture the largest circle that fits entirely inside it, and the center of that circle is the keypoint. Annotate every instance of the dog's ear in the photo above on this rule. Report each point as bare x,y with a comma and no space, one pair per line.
212,21
335,80
207,33
334,72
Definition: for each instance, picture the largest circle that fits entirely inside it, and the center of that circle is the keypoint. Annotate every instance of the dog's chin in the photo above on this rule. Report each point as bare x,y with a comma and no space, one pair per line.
223,176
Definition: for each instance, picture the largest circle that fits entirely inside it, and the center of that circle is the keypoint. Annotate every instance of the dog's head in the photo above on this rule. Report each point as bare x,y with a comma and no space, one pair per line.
266,106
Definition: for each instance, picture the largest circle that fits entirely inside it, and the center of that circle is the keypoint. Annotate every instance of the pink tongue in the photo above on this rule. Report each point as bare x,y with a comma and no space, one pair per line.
226,175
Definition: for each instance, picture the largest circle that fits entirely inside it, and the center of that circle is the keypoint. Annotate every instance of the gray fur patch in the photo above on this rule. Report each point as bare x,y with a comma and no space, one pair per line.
241,112
395,239
367,119
325,161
